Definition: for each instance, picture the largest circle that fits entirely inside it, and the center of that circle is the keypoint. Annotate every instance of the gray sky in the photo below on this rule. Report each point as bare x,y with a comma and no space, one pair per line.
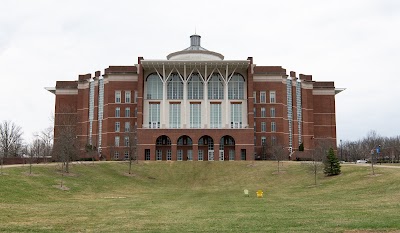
355,43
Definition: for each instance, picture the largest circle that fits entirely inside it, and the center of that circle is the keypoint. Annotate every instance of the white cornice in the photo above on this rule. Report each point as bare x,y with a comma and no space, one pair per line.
66,91
264,78
84,85
121,77
323,92
306,85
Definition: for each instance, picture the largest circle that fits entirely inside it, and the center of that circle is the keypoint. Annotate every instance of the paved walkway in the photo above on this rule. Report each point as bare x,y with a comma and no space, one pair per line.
369,165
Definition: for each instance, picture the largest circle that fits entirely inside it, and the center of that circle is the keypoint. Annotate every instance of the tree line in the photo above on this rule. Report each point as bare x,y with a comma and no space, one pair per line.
372,146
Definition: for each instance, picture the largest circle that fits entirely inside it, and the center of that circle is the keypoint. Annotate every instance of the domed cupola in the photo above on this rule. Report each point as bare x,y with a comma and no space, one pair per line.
195,52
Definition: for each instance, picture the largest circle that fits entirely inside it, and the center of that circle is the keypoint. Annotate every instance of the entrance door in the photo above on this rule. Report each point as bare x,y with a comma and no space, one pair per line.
211,155
221,155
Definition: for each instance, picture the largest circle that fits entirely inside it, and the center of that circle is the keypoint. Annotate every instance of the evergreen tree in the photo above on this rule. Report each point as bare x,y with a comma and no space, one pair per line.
332,165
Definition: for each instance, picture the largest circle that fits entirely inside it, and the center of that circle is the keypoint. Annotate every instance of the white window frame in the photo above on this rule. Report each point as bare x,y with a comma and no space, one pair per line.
117,112
175,87
215,116
195,115
263,97
236,87
175,116
128,96
263,112
272,112
126,141
116,141
117,97
272,97
154,87
127,126
154,117
127,112
236,116
273,127
195,87
263,127
117,126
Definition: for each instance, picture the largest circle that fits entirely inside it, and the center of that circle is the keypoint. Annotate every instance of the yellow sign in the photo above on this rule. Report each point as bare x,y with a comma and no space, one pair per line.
259,193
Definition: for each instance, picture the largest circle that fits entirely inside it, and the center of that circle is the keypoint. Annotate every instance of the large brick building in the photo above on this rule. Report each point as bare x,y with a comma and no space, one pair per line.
197,106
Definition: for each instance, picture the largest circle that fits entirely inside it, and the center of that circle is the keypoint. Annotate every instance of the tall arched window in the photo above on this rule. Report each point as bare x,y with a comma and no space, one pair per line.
195,87
215,87
175,87
236,87
154,87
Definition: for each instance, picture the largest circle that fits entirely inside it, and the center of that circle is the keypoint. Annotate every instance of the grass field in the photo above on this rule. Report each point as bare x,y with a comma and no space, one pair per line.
199,197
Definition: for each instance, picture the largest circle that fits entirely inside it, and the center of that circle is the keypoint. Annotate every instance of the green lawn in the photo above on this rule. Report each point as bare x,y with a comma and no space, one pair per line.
199,197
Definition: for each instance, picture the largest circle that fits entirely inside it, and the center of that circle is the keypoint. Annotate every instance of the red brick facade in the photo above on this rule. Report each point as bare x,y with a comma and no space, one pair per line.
268,117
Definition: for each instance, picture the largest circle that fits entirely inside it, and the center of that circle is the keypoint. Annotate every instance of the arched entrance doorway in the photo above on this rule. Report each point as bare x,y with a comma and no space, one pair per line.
184,148
206,148
227,148
163,148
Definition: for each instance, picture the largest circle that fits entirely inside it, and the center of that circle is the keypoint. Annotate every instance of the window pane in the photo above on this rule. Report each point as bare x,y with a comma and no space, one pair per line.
175,116
236,87
262,96
154,116
154,87
272,97
117,126
195,115
117,112
215,87
272,112
127,96
175,87
263,112
117,96
127,126
215,116
236,116
195,87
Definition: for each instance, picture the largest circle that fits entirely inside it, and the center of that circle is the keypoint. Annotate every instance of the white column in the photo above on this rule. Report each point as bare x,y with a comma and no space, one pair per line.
164,118
184,122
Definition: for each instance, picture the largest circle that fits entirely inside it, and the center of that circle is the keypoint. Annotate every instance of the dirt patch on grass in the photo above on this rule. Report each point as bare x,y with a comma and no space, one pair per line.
251,165
65,188
277,173
31,174
129,175
370,231
3,174
68,174
370,175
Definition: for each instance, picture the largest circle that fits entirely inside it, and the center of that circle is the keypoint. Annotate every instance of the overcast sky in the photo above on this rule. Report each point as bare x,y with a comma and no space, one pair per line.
355,43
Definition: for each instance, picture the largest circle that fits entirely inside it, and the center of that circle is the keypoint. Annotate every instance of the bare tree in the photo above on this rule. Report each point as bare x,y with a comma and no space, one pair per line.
66,147
33,150
279,153
46,139
10,140
131,144
318,155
